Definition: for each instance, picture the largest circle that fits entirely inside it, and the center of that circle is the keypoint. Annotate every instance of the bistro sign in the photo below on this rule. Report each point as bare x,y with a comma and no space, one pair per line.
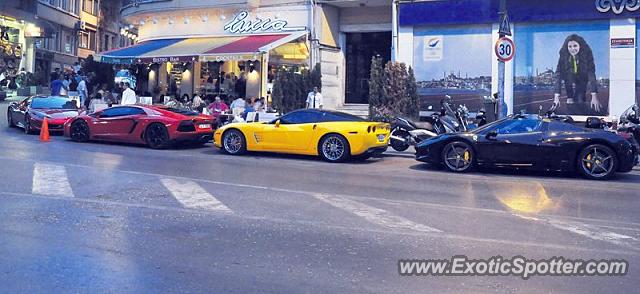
242,25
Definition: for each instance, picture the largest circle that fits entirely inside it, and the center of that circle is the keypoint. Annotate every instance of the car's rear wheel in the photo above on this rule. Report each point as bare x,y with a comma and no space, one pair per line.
79,131
597,162
27,125
399,145
157,136
234,142
10,119
334,148
458,156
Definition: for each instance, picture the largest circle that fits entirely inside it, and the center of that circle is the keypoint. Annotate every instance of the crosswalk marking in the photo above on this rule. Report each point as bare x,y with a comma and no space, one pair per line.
50,179
374,215
192,195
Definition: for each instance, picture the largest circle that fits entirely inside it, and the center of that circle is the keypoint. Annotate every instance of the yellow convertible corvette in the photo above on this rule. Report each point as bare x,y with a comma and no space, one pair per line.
332,135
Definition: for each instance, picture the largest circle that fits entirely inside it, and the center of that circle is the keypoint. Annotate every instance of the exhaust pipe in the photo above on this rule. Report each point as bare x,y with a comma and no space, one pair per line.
398,138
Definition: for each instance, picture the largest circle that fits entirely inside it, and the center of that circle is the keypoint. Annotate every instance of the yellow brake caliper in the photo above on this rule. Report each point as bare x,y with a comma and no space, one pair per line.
467,155
589,163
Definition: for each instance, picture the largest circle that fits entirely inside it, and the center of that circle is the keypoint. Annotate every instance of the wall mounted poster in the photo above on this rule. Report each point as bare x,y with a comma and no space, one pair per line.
453,60
563,62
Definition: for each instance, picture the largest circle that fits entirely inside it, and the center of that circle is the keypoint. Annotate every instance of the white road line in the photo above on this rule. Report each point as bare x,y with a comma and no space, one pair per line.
590,231
50,179
374,215
192,195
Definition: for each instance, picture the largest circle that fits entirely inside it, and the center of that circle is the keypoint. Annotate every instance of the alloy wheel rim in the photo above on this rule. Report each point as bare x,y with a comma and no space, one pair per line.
333,148
79,131
458,157
232,142
156,135
597,163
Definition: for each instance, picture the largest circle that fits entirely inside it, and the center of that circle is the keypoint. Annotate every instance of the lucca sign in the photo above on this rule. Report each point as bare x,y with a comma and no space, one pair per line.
242,25
617,6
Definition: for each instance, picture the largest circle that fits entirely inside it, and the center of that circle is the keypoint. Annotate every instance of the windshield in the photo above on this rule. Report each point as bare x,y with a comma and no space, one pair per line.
488,126
54,103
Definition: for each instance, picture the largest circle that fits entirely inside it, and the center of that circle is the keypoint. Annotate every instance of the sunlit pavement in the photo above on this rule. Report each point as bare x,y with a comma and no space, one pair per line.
121,218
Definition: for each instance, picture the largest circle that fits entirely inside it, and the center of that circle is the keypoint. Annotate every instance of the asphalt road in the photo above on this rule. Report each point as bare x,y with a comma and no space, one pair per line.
120,218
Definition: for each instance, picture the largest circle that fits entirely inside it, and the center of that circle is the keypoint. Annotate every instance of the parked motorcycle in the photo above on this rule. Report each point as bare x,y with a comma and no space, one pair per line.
629,127
405,133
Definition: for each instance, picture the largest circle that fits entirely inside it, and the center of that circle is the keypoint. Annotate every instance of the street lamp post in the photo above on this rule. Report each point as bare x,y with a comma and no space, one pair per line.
502,107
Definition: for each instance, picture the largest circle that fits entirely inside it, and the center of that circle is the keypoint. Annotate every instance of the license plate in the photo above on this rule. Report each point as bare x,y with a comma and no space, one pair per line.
204,126
381,137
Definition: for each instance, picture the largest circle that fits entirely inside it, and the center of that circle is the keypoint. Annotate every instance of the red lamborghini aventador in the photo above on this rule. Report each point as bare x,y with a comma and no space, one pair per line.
156,126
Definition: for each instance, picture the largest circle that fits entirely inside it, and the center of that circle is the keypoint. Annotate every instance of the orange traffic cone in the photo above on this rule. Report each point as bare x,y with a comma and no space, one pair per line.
44,131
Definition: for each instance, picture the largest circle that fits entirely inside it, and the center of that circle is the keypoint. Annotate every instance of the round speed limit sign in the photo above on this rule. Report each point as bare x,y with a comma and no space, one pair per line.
505,49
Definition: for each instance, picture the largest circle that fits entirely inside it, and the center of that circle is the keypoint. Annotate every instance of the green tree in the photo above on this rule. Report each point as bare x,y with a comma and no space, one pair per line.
411,102
290,88
376,89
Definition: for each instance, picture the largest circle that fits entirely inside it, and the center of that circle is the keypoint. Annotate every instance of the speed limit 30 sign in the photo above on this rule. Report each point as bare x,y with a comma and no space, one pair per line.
505,49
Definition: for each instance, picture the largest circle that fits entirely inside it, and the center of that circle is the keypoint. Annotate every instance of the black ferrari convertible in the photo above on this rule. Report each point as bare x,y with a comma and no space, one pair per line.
531,141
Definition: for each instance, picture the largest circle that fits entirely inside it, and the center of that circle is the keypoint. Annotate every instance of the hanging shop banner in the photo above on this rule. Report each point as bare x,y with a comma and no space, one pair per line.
563,62
229,57
162,59
453,61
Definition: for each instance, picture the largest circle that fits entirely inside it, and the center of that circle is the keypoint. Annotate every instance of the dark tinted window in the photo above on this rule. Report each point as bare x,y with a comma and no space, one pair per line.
53,103
300,117
327,116
520,126
121,111
560,127
182,111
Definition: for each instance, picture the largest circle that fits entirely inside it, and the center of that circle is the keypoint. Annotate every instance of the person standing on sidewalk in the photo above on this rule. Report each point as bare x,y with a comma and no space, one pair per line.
82,90
128,95
314,99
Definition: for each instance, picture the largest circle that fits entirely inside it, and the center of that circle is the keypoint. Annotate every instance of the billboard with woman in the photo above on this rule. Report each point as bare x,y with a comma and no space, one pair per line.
565,63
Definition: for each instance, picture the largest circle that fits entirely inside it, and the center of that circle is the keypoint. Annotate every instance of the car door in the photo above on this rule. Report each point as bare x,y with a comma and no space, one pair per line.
115,123
518,143
560,144
293,132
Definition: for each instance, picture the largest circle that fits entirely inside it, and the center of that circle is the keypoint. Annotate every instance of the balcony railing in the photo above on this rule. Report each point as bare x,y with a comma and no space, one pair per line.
130,3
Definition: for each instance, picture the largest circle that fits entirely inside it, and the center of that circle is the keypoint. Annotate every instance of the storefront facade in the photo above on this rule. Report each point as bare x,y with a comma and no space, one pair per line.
226,51
17,45
580,52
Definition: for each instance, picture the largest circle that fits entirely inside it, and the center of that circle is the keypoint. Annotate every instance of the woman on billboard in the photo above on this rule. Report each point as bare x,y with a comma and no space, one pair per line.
578,71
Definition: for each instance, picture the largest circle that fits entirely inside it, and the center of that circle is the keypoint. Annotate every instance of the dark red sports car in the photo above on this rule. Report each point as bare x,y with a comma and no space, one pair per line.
30,113
156,126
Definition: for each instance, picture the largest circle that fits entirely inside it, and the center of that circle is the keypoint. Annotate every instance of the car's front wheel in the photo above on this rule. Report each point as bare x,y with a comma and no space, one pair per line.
27,125
10,120
597,162
458,156
334,148
233,142
79,131
157,136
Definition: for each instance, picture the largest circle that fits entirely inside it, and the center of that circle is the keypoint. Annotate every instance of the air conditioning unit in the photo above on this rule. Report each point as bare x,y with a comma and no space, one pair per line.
81,25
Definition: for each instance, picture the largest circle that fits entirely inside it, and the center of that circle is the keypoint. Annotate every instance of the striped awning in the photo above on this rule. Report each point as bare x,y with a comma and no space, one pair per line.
198,49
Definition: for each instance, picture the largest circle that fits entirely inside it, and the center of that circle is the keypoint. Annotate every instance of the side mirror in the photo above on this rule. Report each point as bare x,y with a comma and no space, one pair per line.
277,123
492,135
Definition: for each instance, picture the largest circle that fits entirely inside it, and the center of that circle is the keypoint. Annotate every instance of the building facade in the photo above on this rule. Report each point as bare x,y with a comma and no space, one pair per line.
580,53
341,36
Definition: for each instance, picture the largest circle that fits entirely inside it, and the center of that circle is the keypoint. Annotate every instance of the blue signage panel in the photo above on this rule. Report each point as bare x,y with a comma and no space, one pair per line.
486,11
449,12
